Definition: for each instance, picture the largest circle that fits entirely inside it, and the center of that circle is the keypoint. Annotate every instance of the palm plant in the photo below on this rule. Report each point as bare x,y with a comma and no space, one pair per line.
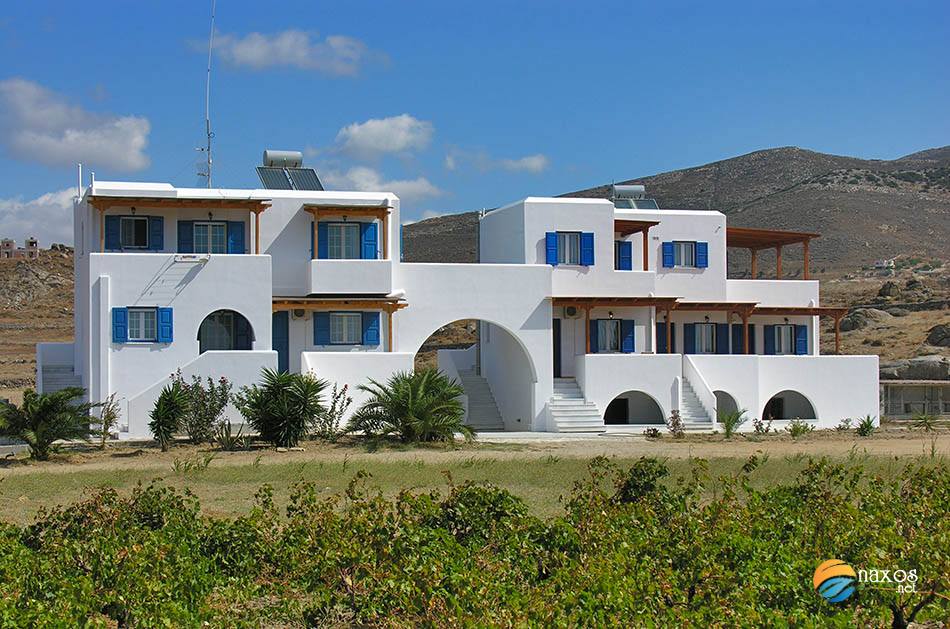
414,406
45,418
284,407
925,422
730,422
166,416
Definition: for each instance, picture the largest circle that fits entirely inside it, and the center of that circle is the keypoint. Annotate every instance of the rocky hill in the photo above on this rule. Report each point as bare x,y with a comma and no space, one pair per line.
864,209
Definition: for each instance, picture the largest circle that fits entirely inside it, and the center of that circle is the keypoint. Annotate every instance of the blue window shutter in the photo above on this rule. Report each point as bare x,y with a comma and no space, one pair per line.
751,338
673,338
186,236
625,255
235,236
368,239
593,336
801,340
323,241
550,248
120,325
156,233
587,249
370,328
321,328
702,255
668,259
113,238
722,338
165,325
737,338
628,342
689,338
280,339
661,337
770,340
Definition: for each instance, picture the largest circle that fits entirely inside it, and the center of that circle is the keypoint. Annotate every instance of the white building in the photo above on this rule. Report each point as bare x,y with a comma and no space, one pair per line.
576,298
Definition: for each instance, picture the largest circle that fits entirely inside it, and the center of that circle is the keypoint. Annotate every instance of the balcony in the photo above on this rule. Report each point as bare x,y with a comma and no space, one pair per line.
773,293
571,281
349,277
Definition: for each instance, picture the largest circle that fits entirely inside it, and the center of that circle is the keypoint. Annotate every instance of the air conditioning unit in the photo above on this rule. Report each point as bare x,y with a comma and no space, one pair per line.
571,312
298,313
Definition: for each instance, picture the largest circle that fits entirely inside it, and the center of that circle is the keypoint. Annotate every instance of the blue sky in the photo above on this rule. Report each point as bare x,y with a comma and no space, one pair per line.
453,106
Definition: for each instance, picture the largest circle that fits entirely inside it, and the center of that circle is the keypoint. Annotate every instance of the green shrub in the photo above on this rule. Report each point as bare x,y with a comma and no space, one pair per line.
925,422
799,428
761,426
45,418
414,406
205,405
228,440
866,427
108,418
674,424
166,416
730,422
329,425
284,407
844,425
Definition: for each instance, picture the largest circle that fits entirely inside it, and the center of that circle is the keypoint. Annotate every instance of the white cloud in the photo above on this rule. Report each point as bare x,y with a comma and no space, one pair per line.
365,179
376,136
40,125
335,55
457,158
48,217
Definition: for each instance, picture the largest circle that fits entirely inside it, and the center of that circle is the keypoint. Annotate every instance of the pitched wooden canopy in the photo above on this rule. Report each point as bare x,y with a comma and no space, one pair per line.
372,211
750,238
103,203
625,227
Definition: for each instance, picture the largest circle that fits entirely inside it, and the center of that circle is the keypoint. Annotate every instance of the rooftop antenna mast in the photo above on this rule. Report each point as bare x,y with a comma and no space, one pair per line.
208,132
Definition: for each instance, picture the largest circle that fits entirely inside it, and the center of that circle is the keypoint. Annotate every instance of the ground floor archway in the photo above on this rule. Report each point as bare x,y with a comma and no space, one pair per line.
633,407
225,330
725,403
789,404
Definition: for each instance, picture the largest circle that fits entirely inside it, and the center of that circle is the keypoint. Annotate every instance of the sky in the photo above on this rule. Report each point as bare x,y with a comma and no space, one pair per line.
453,106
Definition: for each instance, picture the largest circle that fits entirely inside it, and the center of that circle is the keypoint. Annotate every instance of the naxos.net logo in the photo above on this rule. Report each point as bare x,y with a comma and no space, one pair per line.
836,581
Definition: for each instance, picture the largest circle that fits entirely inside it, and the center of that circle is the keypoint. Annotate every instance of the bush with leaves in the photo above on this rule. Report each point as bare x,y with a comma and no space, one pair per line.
108,419
674,424
866,427
167,414
761,426
329,425
799,428
206,404
730,421
45,418
844,425
284,407
421,405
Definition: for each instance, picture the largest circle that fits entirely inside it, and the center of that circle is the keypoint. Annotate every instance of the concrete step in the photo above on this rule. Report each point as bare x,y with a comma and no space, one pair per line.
483,415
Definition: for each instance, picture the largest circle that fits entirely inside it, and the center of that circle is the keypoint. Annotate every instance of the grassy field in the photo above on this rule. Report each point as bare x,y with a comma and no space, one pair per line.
541,472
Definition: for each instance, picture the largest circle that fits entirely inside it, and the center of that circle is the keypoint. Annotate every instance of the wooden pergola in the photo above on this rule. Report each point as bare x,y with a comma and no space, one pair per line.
625,227
809,311
381,212
255,206
757,239
587,303
389,305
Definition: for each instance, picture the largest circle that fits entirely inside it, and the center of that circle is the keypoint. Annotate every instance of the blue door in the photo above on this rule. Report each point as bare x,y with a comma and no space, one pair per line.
280,340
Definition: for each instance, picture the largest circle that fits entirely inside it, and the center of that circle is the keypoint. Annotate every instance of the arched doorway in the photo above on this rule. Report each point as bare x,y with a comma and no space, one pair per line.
633,407
725,403
225,330
789,405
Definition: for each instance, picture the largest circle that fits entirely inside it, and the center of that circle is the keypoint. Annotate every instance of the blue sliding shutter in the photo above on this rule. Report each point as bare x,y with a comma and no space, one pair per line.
186,236
113,239
624,255
661,347
165,325
550,248
368,240
321,328
627,343
280,339
370,328
702,255
668,259
156,233
770,340
593,336
323,242
738,339
235,236
751,338
801,340
689,338
722,338
120,325
587,249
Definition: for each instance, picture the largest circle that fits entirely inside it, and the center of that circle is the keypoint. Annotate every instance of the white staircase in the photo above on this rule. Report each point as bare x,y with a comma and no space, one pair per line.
570,411
58,377
694,417
483,415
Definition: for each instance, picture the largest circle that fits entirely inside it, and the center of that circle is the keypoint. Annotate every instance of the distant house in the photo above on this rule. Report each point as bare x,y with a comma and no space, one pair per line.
8,249
903,399
883,265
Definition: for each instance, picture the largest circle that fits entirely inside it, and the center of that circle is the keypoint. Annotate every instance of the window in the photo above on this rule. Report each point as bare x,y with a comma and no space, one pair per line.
608,335
134,232
346,328
705,338
216,332
143,324
211,238
568,248
785,339
684,253
343,241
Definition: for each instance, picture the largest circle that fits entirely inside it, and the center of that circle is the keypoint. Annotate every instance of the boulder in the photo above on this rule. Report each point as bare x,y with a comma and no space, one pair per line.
889,289
897,312
863,317
939,335
932,367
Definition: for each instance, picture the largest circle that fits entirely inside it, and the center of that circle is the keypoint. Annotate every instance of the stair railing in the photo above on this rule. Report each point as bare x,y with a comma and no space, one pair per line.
701,388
